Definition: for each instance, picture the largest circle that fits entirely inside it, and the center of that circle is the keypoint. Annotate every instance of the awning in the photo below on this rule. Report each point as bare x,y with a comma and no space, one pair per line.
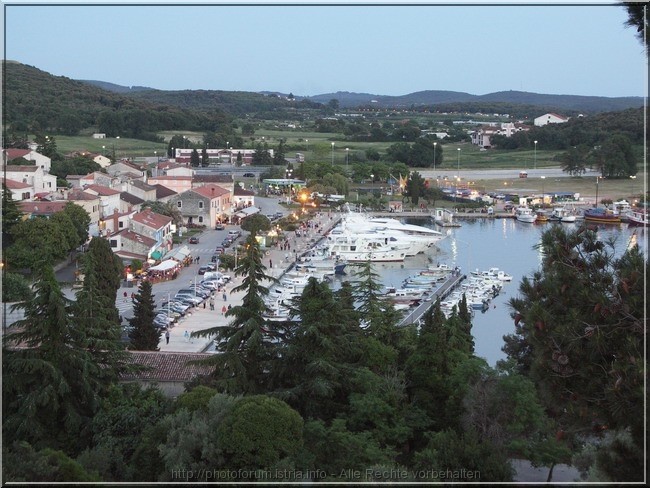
156,255
245,212
167,264
179,254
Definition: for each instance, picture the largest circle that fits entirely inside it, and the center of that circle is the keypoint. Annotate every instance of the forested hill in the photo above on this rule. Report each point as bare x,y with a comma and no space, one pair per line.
37,101
452,100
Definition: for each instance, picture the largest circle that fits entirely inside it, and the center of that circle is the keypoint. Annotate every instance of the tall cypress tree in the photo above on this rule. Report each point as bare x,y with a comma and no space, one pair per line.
50,380
94,311
145,336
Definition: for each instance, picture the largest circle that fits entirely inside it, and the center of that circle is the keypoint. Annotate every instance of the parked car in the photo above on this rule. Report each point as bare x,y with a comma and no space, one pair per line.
249,175
219,250
219,227
203,269
225,243
193,240
211,266
234,233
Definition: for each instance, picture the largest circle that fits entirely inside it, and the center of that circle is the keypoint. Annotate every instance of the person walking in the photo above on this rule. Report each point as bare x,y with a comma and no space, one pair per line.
212,303
225,297
125,296
223,310
187,336
167,336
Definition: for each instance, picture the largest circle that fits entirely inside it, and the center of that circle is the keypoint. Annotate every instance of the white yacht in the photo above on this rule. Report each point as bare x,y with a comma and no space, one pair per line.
363,247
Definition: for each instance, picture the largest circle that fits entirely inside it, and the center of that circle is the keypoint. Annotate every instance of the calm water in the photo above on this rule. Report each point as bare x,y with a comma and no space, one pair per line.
485,243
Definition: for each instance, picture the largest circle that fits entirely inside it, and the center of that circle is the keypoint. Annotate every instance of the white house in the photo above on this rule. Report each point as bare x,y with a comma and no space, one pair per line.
550,119
108,197
43,162
19,191
33,176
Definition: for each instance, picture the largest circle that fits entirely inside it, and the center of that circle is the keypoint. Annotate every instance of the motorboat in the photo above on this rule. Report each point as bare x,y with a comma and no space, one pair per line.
638,218
525,214
562,214
366,247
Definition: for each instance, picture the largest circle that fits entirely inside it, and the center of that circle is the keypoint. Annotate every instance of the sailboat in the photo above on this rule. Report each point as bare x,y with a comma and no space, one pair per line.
601,215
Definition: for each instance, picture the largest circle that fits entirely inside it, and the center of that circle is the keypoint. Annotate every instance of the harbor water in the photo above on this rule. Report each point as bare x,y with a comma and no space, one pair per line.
482,243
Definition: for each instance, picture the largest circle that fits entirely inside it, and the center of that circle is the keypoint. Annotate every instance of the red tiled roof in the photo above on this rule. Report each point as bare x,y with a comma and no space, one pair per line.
102,190
167,366
20,168
13,153
15,185
152,219
210,191
42,208
134,236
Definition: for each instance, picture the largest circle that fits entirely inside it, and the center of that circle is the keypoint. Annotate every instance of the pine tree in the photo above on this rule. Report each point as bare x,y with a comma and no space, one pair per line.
144,336
11,215
50,381
245,347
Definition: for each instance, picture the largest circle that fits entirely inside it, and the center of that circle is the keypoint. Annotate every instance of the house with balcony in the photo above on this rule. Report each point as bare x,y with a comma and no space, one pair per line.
205,205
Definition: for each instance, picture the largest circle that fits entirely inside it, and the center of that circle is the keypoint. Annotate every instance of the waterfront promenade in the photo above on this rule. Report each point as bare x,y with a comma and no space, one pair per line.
202,318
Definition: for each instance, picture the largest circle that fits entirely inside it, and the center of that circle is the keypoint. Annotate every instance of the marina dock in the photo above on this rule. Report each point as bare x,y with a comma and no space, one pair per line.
439,293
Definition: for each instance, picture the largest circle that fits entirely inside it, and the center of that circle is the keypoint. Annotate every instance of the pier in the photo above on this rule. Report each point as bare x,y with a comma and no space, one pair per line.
439,293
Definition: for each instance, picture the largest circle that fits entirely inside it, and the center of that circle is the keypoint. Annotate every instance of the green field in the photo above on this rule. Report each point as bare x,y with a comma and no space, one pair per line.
318,146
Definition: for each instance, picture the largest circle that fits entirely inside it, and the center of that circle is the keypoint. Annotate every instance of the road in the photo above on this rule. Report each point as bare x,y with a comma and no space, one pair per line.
496,174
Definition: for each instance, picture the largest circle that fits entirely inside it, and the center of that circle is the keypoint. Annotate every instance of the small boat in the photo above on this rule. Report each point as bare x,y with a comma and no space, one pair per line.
541,216
638,218
525,214
602,216
562,214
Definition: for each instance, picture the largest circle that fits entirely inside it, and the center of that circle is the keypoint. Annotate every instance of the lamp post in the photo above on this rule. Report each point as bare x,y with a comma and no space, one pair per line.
347,160
535,155
458,163
332,154
434,159
632,178
306,145
543,200
372,183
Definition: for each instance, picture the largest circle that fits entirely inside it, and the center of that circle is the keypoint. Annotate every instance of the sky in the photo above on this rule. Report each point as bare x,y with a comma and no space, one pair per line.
306,49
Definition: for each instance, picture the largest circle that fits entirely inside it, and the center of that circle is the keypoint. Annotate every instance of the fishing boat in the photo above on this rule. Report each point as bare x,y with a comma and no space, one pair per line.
541,216
602,216
638,218
562,214
525,214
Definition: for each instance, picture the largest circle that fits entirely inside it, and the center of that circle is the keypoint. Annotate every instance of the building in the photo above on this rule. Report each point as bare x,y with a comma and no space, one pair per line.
550,119
204,205
36,158
155,226
481,137
141,189
19,191
218,156
43,183
108,197
178,184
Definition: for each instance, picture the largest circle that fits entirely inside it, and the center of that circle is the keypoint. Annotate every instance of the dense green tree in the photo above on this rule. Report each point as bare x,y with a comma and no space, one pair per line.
144,336
11,216
257,221
279,154
79,165
80,220
15,288
244,345
50,383
23,464
126,411
165,208
68,230
261,432
617,156
36,240
580,334
464,458
415,187
195,159
195,399
574,160
638,19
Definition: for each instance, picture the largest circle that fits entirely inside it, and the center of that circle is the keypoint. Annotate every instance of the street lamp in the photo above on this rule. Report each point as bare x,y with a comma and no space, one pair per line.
543,201
347,160
332,154
306,145
535,156
434,159
458,162
372,183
